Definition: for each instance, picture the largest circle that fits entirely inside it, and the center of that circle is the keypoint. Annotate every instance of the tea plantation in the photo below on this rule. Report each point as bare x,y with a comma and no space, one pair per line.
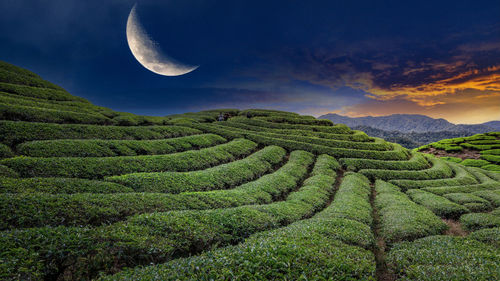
481,150
90,193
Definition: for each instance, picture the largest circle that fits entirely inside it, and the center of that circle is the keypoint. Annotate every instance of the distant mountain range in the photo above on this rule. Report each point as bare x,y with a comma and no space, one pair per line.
411,130
408,123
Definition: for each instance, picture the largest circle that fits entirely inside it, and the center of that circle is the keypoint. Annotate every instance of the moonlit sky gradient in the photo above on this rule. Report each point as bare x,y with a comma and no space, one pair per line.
357,58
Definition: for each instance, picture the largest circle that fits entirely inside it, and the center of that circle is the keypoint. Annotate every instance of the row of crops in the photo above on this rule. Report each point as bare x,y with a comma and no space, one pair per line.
481,150
263,195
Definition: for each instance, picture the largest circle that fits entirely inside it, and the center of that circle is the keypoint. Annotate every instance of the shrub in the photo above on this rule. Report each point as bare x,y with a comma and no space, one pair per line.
35,114
491,195
401,218
12,133
451,159
352,200
490,158
475,221
491,167
466,198
219,177
488,235
441,190
7,172
336,129
39,209
296,120
474,162
59,185
437,204
461,177
40,93
416,162
491,152
103,148
438,170
444,258
5,151
99,167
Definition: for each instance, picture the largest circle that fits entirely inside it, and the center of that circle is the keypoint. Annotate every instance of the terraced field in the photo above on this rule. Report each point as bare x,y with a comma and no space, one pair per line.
481,150
89,193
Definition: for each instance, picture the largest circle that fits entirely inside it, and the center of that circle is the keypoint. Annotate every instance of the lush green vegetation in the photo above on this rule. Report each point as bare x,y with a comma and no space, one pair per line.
485,148
87,193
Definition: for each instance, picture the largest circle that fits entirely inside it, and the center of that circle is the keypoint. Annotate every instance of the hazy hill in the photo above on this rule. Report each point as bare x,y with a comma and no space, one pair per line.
407,123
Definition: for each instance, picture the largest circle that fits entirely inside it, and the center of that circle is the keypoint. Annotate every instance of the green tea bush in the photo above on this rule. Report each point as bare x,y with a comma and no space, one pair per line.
7,172
59,185
34,114
103,148
441,190
99,167
466,198
12,133
475,221
451,159
487,235
5,151
491,158
491,167
493,196
438,170
40,93
416,162
491,152
352,200
444,258
401,218
336,129
437,204
39,209
474,162
296,120
461,177
219,177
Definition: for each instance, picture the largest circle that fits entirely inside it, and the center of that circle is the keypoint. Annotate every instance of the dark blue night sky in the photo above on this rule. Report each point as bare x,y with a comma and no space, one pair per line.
439,58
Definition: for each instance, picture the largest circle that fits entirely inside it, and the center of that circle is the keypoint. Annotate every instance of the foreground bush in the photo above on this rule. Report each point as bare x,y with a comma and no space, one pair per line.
59,185
444,258
401,218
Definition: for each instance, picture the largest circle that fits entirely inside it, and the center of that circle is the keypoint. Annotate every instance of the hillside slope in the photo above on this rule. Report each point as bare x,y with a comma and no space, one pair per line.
86,192
481,150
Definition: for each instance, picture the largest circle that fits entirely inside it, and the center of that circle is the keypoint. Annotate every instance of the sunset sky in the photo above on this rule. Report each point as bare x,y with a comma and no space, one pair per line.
355,58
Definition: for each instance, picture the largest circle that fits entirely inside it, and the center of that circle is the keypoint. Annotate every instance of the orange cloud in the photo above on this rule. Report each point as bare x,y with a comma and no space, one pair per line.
463,107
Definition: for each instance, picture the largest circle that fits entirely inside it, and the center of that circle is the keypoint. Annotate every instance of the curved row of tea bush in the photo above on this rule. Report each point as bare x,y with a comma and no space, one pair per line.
59,185
335,129
355,136
219,177
352,200
444,258
416,162
13,133
461,177
106,148
472,202
296,120
475,221
291,252
401,218
40,93
36,114
99,167
438,170
39,209
437,204
140,240
377,145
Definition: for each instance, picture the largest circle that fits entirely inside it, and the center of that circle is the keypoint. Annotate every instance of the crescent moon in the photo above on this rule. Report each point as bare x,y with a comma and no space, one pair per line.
147,52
